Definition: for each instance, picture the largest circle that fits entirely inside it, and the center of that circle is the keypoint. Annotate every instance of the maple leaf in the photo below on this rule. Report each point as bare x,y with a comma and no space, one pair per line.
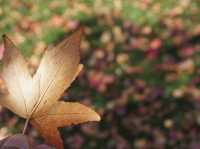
35,98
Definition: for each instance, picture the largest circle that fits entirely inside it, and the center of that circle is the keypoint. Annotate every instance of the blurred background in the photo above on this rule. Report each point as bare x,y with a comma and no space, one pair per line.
141,74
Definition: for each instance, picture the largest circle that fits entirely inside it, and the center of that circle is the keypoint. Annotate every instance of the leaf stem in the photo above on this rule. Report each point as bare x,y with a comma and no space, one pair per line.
25,126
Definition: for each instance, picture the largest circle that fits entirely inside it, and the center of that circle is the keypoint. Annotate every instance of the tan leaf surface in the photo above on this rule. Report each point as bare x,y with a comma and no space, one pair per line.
36,98
62,114
56,71
80,67
17,78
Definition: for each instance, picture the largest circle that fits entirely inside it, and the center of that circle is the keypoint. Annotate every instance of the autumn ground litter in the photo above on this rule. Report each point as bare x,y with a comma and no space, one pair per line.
141,68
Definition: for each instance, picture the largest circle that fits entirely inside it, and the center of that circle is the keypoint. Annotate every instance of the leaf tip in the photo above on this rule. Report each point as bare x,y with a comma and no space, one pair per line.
96,117
4,36
80,31
6,40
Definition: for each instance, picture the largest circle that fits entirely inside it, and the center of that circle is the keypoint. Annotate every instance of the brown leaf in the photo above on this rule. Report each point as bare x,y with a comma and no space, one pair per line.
36,97
62,114
17,78
56,71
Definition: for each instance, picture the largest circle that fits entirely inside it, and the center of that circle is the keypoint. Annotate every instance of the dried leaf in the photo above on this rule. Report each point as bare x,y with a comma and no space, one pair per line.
17,78
62,114
56,71
36,97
